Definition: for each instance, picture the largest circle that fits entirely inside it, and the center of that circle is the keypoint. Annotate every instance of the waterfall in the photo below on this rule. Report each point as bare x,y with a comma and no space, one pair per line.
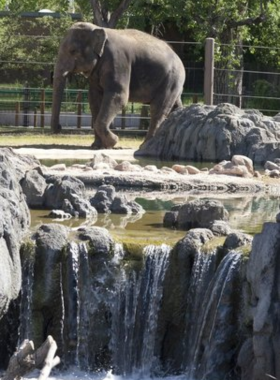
135,313
26,296
202,273
215,321
111,309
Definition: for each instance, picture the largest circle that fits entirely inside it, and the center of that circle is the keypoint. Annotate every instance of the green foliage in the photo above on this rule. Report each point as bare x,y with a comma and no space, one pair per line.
28,48
265,97
17,6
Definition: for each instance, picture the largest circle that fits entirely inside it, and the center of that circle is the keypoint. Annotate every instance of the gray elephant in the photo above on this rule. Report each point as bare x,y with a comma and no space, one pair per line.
121,66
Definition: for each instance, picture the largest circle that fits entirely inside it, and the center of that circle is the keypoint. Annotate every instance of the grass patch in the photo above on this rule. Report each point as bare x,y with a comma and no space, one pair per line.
13,137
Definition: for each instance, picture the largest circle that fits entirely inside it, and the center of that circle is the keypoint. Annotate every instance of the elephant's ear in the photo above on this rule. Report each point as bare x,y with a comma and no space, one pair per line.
99,40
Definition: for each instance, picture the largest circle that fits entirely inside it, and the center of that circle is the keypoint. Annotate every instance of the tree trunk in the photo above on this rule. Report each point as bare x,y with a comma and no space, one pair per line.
105,18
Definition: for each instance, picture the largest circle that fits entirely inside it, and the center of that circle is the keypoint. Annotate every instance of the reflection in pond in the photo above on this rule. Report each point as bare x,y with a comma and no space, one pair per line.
246,213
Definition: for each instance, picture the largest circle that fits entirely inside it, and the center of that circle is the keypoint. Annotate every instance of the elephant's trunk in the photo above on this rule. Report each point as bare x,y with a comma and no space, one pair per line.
58,88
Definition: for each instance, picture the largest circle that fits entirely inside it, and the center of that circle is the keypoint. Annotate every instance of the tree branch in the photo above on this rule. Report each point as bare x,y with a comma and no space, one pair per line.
248,21
116,15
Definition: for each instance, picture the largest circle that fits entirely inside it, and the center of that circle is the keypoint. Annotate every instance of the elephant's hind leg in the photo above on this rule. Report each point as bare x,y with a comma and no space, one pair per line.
159,110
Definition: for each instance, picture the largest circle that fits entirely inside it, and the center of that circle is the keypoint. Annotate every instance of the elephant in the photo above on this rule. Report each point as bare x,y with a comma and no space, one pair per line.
120,65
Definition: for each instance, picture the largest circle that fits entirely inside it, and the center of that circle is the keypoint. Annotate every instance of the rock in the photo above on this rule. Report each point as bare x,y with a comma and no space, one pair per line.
271,166
59,214
214,133
237,239
198,213
34,186
124,166
68,208
103,198
100,239
192,169
181,169
121,205
101,158
238,166
263,304
151,168
63,188
14,222
58,167
274,173
243,161
170,219
167,170
83,207
220,228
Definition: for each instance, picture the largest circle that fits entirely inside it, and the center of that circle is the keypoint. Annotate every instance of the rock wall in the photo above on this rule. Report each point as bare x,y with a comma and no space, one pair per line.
14,223
215,133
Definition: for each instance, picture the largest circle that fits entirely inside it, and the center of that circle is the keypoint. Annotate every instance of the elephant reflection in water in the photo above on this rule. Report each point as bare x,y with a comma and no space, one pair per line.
121,66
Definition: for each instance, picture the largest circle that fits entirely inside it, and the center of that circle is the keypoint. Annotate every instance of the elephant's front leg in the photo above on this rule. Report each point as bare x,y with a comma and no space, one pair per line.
111,104
95,100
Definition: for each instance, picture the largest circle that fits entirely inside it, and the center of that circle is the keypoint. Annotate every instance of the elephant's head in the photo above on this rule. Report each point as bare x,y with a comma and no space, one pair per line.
79,52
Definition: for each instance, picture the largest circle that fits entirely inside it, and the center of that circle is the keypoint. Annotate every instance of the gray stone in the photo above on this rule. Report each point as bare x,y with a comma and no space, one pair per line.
121,205
220,228
263,314
103,198
59,214
200,213
99,158
237,239
34,186
100,239
63,188
15,221
83,207
170,219
214,133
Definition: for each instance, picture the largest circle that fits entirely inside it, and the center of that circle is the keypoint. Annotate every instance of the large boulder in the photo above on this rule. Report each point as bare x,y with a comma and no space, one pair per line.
195,214
68,193
215,133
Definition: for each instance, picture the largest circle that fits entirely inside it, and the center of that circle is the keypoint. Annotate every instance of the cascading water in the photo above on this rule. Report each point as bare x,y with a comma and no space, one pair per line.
214,328
135,313
26,296
132,313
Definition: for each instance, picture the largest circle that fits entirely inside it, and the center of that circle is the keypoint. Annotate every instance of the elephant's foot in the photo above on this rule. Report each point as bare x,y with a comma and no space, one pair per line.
96,145
107,141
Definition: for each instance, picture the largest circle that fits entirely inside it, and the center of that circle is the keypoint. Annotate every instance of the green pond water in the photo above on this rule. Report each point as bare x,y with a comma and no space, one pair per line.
246,213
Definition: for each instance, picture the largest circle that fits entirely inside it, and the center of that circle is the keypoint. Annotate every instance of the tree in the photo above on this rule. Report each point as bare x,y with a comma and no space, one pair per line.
230,23
28,48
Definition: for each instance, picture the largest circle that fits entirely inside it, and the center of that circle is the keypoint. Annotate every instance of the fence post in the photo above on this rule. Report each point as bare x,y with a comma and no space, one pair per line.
26,94
79,109
42,108
35,118
17,114
209,71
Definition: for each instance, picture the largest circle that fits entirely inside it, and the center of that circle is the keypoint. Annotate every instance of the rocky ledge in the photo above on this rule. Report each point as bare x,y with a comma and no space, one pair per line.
235,176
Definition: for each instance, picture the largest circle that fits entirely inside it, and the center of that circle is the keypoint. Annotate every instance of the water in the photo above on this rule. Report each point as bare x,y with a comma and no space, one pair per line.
246,213
137,304
76,374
